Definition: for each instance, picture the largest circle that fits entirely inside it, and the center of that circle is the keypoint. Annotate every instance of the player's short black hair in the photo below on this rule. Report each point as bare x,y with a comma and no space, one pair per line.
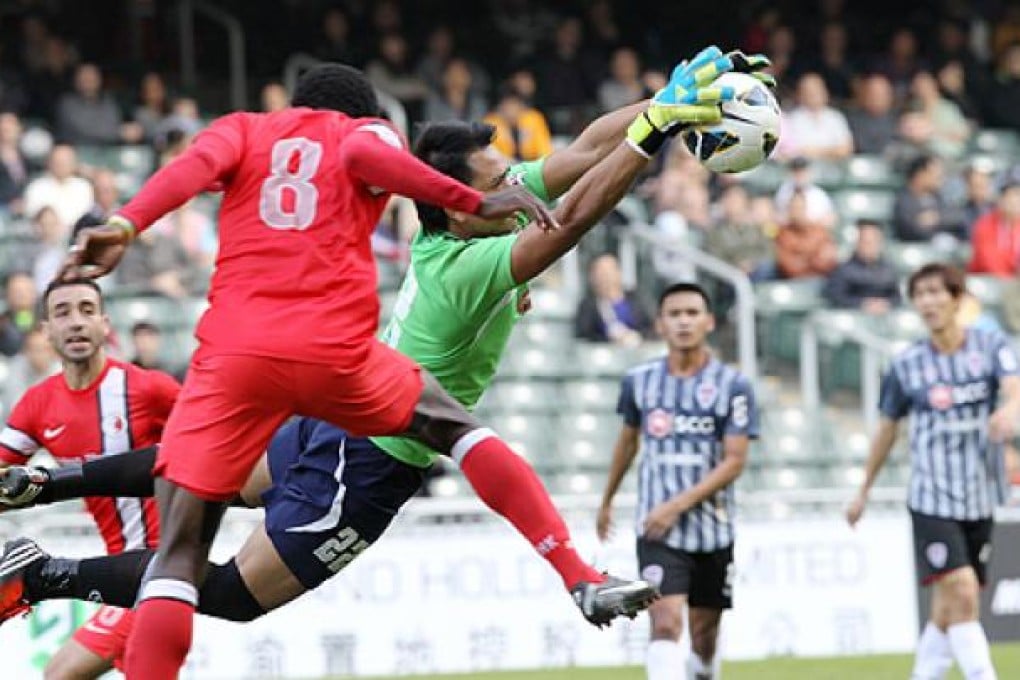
952,278
445,147
337,87
57,284
685,287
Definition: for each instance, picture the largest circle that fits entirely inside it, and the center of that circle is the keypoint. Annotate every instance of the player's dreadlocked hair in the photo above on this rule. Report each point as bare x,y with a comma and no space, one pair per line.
337,87
446,146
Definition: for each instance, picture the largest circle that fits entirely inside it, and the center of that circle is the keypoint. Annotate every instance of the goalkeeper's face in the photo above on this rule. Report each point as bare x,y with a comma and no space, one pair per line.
490,172
684,321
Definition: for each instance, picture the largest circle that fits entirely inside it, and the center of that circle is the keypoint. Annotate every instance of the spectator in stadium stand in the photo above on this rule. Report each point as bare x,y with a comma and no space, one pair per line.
996,234
337,43
685,193
274,97
521,130
804,248
782,50
176,130
763,25
153,105
46,85
872,119
954,50
33,363
89,115
1002,103
568,78
608,313
833,62
522,27
13,96
623,86
158,263
736,237
814,129
13,165
867,281
920,214
391,72
147,341
60,188
901,62
456,99
196,233
820,208
958,87
950,130
440,49
53,247
602,28
913,140
20,314
980,192
1007,30
107,200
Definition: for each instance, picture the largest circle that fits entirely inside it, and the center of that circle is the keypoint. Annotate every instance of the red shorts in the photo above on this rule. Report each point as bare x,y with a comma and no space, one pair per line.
106,633
231,405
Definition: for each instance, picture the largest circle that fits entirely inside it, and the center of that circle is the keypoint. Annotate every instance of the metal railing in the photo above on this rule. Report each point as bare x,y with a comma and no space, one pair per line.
700,260
875,350
187,9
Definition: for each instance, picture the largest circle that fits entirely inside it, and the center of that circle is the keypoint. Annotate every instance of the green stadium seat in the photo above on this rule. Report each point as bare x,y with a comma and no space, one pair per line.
166,313
600,359
549,334
828,174
595,394
764,179
907,257
137,159
995,141
872,204
987,289
532,435
523,396
870,171
793,295
534,362
547,303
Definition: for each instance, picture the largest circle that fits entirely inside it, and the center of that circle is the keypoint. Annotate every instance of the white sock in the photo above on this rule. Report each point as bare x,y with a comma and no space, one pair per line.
970,648
665,660
934,656
699,669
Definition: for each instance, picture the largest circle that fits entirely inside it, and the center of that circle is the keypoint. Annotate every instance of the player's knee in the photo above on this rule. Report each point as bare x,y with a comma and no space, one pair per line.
959,593
666,625
225,595
703,641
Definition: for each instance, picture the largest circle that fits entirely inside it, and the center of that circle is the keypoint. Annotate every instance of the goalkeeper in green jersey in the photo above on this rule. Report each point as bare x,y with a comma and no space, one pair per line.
463,294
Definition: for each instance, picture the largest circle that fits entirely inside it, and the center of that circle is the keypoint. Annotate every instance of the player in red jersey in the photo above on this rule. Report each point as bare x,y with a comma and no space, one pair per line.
291,329
95,406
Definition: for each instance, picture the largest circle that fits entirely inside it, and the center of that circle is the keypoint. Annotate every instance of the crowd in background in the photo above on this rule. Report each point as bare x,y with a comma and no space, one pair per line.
913,94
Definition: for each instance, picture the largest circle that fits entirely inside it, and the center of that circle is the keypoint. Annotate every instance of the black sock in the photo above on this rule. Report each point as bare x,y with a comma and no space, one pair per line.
226,596
113,580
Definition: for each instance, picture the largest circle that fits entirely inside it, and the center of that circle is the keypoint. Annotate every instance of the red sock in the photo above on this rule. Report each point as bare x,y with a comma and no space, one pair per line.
509,485
160,640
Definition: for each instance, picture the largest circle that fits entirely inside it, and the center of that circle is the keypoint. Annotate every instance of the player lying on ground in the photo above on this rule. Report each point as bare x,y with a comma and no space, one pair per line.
458,149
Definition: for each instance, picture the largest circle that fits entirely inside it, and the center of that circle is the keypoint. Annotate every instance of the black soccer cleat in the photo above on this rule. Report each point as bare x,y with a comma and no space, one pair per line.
600,603
19,555
21,485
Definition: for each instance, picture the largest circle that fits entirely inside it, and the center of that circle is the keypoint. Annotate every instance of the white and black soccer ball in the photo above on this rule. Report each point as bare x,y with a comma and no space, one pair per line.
749,130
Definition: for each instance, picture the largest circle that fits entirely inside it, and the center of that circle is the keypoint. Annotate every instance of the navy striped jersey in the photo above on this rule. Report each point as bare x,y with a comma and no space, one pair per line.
957,472
683,422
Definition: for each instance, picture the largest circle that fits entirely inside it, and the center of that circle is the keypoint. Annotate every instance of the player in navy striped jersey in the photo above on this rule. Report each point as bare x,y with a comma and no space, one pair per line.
949,385
692,418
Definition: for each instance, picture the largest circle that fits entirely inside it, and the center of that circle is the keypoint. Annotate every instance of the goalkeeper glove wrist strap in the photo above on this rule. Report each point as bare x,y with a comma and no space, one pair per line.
644,137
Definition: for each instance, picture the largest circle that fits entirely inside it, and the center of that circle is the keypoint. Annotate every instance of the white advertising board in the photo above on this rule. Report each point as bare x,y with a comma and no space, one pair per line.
463,598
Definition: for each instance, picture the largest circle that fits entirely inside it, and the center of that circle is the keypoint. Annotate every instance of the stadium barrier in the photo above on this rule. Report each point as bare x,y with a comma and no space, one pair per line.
452,588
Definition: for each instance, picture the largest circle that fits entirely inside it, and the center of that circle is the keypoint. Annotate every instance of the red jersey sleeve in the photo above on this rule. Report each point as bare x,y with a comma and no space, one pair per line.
19,439
163,391
207,163
374,153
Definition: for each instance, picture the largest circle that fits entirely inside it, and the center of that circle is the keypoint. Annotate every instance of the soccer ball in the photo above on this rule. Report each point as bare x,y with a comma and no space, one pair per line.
748,132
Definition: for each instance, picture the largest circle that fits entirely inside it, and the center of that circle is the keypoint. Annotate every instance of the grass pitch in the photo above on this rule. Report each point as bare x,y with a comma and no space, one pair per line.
884,667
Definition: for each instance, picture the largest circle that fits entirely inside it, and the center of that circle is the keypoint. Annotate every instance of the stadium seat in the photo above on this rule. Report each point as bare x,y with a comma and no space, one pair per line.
534,362
872,204
550,334
164,312
596,394
870,171
987,289
794,295
531,435
547,303
137,159
995,141
828,174
522,396
764,179
907,257
599,359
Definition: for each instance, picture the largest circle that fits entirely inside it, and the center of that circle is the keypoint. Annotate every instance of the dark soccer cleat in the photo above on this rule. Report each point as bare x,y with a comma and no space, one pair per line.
600,603
20,485
19,554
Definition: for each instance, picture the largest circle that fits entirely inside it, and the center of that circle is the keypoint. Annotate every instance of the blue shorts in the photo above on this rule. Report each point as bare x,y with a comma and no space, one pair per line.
332,496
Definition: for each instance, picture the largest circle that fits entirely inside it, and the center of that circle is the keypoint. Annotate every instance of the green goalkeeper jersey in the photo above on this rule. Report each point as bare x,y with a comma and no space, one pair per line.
455,311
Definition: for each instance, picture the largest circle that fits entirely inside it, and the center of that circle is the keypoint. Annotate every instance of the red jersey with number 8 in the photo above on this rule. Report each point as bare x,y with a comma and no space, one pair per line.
295,276
124,408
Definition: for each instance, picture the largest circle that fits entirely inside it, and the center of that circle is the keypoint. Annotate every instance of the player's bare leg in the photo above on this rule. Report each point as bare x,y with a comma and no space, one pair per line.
954,630
665,660
263,571
509,485
703,663
169,597
73,662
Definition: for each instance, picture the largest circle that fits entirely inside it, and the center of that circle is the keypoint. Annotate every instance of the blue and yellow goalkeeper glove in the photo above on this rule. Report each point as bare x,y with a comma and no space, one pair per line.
690,98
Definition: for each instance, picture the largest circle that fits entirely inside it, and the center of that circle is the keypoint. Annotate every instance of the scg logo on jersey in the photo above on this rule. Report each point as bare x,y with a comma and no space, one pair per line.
943,397
694,425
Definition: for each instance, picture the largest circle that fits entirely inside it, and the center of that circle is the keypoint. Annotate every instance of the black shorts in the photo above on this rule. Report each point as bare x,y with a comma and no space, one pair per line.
332,496
706,578
942,545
